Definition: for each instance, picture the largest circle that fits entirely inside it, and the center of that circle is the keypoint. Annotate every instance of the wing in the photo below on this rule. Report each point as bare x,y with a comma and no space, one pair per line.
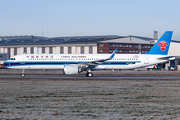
97,62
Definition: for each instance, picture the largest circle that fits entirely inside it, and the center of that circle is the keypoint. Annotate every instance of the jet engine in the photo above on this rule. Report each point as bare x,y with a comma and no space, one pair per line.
71,69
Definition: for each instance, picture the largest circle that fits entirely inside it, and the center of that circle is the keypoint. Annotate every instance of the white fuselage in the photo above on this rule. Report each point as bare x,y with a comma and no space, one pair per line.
58,61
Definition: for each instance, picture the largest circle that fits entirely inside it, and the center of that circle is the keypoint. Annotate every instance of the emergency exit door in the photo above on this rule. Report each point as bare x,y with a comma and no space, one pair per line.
146,60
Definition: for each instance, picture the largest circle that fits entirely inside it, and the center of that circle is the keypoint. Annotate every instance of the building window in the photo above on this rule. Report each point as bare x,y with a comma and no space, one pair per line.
43,49
9,50
50,50
82,49
25,50
120,45
101,45
69,50
101,50
126,45
32,50
117,45
90,49
123,45
61,50
110,45
15,51
114,45
130,45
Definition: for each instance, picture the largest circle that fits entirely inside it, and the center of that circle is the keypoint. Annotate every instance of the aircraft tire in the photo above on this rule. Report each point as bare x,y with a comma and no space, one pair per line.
22,75
89,74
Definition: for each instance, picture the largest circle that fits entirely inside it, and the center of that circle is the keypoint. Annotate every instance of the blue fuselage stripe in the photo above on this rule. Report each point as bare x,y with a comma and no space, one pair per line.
30,63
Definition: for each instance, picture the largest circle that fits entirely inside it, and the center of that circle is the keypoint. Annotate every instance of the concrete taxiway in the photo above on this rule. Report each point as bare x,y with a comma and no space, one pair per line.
96,77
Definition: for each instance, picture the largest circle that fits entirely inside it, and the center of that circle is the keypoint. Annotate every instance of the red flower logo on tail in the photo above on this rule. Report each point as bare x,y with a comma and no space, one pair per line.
163,45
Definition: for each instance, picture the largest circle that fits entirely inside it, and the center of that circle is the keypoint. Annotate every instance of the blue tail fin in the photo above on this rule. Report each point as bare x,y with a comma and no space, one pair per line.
162,45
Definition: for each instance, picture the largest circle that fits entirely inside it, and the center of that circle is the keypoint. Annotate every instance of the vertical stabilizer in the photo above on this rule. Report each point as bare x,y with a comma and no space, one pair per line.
162,45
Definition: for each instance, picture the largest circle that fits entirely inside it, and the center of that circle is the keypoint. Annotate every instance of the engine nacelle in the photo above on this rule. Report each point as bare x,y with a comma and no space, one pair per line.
71,69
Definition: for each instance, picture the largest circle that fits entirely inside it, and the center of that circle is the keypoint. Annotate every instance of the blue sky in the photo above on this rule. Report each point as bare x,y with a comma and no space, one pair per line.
89,17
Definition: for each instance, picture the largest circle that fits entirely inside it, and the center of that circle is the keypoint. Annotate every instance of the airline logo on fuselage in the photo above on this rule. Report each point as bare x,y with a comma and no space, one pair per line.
163,45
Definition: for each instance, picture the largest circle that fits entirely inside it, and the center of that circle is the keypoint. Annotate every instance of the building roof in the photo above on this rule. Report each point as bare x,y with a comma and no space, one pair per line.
58,40
130,39
38,40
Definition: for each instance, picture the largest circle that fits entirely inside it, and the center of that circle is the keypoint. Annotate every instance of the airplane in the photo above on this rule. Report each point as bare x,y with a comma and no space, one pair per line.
77,63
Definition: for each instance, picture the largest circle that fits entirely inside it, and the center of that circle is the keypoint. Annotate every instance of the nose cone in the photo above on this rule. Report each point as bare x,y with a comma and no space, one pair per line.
5,64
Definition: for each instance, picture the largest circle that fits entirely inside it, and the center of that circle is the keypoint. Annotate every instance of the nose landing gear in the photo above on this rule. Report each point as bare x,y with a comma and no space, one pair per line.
23,73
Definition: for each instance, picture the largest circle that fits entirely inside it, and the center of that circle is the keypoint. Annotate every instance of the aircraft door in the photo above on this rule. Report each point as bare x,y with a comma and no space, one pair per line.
22,61
146,60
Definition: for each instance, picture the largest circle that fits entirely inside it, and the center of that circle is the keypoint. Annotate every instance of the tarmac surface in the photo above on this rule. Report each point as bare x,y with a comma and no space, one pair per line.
48,99
108,95
96,77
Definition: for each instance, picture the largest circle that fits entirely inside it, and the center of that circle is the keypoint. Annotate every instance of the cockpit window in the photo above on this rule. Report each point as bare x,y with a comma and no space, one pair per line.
12,59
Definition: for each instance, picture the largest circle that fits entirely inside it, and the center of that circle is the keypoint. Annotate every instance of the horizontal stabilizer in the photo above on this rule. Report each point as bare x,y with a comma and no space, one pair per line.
167,58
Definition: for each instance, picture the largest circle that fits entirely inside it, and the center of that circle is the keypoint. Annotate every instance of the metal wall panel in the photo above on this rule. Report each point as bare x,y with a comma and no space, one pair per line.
54,50
65,50
39,50
86,48
4,50
173,49
11,52
28,50
35,50
57,50
94,49
78,49
46,50
73,50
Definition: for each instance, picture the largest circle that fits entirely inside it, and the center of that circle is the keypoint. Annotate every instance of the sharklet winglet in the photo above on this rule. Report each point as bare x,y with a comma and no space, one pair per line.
113,54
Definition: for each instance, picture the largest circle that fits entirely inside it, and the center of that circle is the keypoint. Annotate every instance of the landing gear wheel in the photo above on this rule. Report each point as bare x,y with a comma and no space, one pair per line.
22,75
89,74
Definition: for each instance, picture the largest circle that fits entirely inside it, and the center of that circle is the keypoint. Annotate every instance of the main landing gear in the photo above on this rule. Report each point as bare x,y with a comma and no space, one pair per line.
23,73
89,74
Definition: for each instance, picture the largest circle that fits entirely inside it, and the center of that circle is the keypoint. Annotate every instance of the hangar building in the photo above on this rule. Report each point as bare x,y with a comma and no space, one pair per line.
14,45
